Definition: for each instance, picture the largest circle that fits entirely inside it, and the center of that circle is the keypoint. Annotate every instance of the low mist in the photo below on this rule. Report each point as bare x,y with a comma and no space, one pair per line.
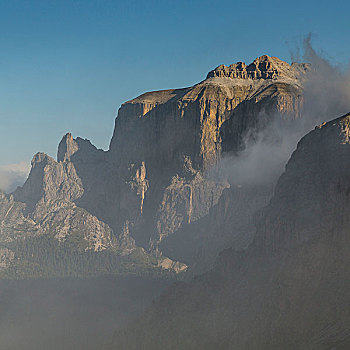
12,176
70,314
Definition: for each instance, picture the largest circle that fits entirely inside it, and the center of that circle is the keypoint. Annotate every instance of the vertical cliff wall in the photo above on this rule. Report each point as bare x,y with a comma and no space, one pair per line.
180,135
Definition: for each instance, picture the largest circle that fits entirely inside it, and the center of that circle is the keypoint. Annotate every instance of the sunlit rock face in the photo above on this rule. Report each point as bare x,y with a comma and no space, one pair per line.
290,288
180,135
262,68
188,122
49,195
153,183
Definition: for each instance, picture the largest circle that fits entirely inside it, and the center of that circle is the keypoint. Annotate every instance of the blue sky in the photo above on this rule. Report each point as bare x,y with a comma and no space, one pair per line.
68,65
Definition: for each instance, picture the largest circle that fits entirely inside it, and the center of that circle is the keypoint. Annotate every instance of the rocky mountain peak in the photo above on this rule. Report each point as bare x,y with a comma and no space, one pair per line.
263,67
41,157
66,148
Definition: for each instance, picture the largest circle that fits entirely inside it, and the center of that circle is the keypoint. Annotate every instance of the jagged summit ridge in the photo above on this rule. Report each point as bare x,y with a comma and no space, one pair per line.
263,71
77,149
263,67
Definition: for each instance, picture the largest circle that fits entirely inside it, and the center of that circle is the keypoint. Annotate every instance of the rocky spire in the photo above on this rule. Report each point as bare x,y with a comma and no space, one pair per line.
67,147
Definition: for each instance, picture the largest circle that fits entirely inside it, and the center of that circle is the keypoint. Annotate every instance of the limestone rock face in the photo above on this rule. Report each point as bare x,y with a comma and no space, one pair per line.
290,289
263,67
188,122
48,181
66,148
14,223
100,182
186,200
49,195
166,130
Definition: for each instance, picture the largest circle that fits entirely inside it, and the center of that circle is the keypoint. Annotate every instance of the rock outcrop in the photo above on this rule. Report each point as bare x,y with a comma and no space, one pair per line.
263,67
49,195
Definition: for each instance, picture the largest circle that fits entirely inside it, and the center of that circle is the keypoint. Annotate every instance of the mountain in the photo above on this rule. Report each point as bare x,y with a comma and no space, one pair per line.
290,288
146,203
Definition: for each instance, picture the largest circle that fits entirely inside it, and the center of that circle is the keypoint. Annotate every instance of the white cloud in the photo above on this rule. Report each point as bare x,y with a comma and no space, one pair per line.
13,175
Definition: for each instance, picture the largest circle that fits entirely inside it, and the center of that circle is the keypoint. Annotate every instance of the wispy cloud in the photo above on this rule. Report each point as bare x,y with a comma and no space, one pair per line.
326,96
13,175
